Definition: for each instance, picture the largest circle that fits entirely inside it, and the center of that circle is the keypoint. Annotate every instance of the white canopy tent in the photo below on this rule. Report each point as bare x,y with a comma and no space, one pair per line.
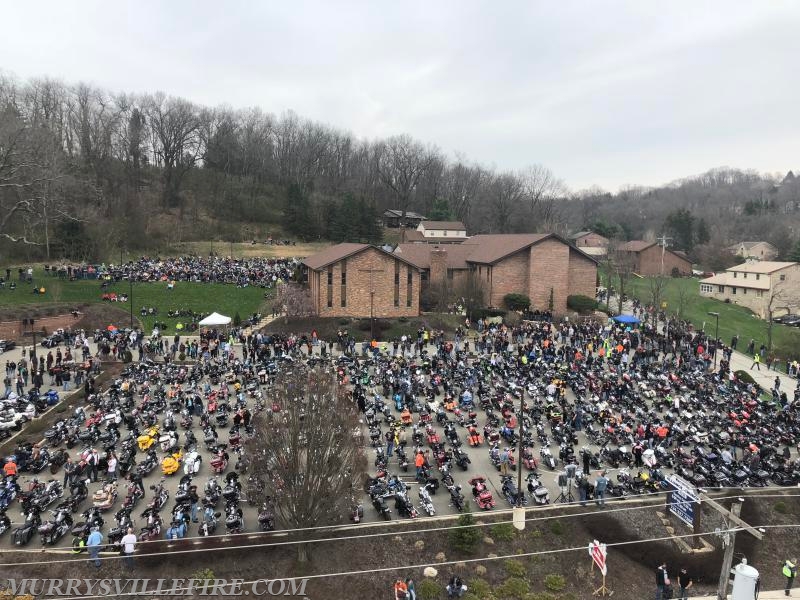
215,319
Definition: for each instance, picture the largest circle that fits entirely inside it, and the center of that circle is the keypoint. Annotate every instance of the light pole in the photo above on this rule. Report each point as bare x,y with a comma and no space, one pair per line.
716,336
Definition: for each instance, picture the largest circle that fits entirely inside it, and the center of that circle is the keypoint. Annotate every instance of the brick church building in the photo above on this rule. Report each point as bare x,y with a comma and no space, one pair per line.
359,280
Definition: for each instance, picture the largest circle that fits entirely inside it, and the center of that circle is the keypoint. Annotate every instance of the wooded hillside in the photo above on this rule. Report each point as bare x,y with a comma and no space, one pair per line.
85,172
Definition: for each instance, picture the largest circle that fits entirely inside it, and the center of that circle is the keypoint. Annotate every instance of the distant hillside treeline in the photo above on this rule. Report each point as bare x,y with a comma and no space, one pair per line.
84,171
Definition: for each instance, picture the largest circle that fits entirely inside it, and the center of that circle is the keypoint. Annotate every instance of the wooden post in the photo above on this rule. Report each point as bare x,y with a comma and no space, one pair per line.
724,576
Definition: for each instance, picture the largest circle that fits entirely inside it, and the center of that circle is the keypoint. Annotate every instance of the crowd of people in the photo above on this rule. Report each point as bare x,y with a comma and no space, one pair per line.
255,271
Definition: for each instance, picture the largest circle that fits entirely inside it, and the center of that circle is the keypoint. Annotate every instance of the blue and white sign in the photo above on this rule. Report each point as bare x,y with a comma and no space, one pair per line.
683,499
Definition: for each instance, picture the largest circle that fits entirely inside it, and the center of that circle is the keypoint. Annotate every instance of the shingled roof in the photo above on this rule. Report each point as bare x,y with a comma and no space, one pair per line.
326,257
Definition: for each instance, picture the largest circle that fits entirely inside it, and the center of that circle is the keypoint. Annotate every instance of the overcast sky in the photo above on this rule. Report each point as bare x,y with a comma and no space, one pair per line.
603,93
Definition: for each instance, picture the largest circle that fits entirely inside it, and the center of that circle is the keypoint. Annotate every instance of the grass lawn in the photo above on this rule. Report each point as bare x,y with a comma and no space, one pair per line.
733,319
197,297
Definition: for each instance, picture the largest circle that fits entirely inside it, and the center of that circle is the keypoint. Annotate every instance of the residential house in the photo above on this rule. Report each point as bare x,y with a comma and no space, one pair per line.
754,250
649,258
359,280
535,264
767,288
395,218
437,232
590,242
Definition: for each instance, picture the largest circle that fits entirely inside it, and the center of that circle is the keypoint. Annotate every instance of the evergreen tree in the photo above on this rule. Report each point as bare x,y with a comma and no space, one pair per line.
794,255
440,211
702,232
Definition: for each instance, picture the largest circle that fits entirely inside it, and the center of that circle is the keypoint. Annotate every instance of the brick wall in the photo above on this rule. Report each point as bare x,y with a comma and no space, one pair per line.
549,270
360,283
649,262
13,330
438,270
591,240
582,275
510,275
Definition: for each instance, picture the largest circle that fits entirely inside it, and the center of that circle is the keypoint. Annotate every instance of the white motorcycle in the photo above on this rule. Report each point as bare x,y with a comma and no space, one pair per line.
192,462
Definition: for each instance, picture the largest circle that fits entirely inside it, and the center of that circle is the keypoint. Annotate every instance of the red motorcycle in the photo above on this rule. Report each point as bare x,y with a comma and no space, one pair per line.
481,493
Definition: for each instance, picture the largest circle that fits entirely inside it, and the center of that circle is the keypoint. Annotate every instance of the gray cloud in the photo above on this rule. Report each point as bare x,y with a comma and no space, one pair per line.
605,93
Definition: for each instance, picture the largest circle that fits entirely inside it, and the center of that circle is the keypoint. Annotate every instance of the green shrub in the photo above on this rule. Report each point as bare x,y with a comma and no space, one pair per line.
556,527
344,321
427,589
581,304
555,582
503,532
466,537
514,587
237,319
780,507
745,377
515,568
542,596
202,575
516,301
480,588
402,319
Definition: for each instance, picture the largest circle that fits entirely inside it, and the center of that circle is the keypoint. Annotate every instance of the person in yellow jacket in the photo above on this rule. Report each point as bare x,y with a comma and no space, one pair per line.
756,361
789,571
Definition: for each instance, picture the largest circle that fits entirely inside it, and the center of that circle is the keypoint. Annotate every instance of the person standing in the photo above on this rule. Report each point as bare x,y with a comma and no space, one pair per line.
685,582
662,580
600,486
128,542
412,591
112,466
504,463
789,571
94,543
69,471
94,461
756,362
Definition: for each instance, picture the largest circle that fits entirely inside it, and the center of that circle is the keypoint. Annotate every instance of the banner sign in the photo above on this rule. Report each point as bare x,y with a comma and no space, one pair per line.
598,553
683,499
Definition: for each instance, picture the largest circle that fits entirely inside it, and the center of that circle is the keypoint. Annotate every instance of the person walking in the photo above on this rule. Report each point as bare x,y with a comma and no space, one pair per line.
94,543
789,571
756,362
412,591
684,582
128,542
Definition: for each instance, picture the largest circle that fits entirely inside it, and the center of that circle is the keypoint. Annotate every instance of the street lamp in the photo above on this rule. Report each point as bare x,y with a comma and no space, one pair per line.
716,336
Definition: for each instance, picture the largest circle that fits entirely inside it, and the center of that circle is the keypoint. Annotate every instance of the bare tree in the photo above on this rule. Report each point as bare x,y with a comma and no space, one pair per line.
294,300
777,300
174,125
542,189
505,194
656,285
400,163
307,453
621,264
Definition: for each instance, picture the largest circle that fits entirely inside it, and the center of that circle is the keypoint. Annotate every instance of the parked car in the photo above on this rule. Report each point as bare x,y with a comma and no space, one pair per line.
6,345
788,319
51,341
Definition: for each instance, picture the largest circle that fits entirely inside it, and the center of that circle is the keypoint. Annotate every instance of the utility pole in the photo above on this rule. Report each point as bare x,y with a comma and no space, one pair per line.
732,518
663,241
727,559
371,300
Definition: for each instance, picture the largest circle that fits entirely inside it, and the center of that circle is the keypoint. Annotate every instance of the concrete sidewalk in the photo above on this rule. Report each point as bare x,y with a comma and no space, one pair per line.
762,595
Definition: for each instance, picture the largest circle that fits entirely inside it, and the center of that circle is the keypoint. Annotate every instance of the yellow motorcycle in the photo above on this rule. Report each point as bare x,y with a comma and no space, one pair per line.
172,463
147,439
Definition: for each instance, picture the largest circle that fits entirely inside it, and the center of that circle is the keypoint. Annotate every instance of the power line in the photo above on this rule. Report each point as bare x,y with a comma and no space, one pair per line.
356,537
453,562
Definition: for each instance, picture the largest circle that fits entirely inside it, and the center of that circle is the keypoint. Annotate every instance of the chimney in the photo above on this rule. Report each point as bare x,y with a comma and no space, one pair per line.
438,265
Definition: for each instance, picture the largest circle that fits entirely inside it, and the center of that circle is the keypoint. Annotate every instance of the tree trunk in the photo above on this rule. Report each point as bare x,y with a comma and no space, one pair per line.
303,553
